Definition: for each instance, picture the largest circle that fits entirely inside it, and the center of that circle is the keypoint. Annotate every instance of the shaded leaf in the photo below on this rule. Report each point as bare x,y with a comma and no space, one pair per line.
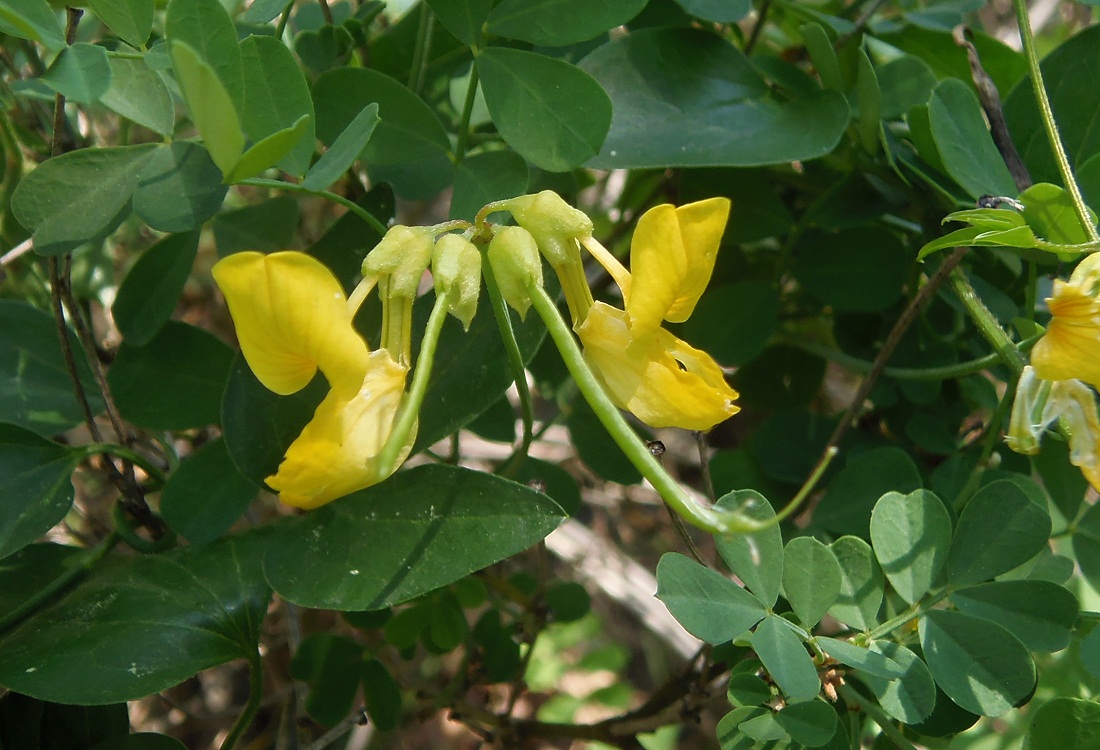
909,698
179,188
758,559
206,494
861,583
786,659
132,20
1040,613
964,142
81,73
1000,528
556,23
35,483
148,295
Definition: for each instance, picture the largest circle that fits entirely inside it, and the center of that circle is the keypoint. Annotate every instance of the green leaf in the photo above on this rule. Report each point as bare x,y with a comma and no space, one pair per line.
331,664
763,728
80,73
1000,528
132,20
431,525
262,11
1040,613
595,447
786,659
206,495
749,311
267,227
864,659
653,77
856,270
1090,652
554,114
270,151
758,559
823,56
861,583
964,142
486,177
708,605
811,579
276,99
179,188
344,150
979,664
557,23
28,571
148,295
35,389
463,18
1049,211
173,382
747,689
847,503
869,101
34,20
208,31
909,698
947,59
80,196
36,484
1064,724
811,724
911,535
382,695
139,625
138,93
211,106
409,148
906,82
718,11
29,723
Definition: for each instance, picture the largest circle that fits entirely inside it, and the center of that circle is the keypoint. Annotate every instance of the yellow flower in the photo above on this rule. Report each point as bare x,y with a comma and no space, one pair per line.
292,318
1070,349
644,368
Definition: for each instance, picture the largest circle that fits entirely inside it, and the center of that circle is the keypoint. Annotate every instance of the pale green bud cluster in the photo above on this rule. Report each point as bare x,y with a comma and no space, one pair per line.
456,268
555,225
403,255
514,258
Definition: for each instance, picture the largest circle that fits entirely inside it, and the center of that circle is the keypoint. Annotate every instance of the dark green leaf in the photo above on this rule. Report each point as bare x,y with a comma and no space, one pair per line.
979,664
964,142
938,50
810,724
568,601
709,606
277,98
431,525
749,311
1090,651
559,483
81,73
856,270
447,626
763,728
786,659
866,477
130,19
861,584
487,177
79,196
29,723
595,446
382,695
344,151
267,227
463,18
32,19
1064,724
718,11
549,111
787,444
654,77
179,188
911,535
556,23
745,689
138,625
869,101
138,93
211,105
1040,613
35,389
35,483
148,295
909,698
1000,528
811,579
331,664
262,11
758,559
28,571
173,382
906,82
205,27
206,495
823,56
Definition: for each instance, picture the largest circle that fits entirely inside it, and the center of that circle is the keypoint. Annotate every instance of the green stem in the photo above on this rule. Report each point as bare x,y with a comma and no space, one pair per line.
914,611
58,585
988,326
467,111
284,18
710,519
1047,115
519,372
294,187
110,449
410,407
851,695
421,50
255,698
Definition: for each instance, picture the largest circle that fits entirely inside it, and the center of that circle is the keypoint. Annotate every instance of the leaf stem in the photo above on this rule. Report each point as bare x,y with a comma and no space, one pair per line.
914,611
1051,127
988,326
877,715
295,187
110,449
255,697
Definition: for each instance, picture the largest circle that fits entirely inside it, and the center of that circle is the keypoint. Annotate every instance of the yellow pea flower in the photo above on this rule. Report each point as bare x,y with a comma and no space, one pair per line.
661,379
1070,349
292,318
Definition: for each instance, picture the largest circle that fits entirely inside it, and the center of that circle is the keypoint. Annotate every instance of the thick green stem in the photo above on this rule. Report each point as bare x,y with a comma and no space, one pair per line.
1051,127
988,326
294,187
255,698
109,449
850,695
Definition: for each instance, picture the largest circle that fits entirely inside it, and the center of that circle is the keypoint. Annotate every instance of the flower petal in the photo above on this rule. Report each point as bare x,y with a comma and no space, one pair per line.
335,454
659,378
1071,345
701,226
292,317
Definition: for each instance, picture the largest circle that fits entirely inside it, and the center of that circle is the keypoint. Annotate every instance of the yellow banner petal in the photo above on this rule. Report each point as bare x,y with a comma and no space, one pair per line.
1071,345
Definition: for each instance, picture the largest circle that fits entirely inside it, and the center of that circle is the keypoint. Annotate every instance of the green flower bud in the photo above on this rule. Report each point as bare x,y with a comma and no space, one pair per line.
514,258
456,268
403,255
553,223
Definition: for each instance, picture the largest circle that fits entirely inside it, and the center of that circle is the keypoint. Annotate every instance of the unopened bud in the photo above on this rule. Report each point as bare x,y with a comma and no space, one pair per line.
553,223
403,255
456,268
514,258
